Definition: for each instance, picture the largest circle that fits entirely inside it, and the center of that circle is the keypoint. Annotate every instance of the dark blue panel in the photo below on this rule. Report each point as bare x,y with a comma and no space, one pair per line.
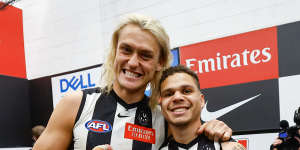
175,53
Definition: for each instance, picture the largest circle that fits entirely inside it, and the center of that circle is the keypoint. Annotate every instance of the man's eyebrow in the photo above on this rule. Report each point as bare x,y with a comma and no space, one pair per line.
124,44
146,51
181,87
166,90
142,50
187,86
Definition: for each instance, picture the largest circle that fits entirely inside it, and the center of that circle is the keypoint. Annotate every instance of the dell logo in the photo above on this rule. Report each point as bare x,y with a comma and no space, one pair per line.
75,83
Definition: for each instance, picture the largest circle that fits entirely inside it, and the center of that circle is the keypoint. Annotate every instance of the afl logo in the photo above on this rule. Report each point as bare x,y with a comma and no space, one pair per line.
98,126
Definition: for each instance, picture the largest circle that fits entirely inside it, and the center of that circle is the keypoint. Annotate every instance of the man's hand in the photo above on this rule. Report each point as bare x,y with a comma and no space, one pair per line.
276,143
103,147
216,130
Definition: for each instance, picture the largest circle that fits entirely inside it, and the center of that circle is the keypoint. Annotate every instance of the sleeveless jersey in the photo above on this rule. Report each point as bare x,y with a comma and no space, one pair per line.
107,119
199,143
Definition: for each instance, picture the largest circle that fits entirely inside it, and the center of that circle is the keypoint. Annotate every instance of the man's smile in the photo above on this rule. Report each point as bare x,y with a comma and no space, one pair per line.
131,74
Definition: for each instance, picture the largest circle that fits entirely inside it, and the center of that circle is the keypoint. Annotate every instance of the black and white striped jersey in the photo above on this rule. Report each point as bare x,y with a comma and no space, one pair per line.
107,119
199,143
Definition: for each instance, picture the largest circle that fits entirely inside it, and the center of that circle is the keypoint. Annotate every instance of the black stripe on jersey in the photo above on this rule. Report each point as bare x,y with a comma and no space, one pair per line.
106,108
205,143
143,117
81,106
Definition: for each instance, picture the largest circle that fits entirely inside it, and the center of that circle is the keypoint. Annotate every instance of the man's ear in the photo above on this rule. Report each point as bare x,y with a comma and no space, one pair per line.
159,67
202,99
159,100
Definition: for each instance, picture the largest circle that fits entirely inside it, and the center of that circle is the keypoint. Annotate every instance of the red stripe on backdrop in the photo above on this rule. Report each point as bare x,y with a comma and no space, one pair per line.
241,58
12,58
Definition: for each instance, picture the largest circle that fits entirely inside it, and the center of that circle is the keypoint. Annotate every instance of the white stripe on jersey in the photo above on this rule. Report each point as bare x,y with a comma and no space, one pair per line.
80,132
117,140
217,145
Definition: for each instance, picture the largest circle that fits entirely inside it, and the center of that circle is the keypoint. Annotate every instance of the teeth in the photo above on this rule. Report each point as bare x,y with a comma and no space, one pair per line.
179,109
131,74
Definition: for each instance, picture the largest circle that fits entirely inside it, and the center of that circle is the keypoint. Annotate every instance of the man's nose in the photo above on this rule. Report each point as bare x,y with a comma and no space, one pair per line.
178,97
133,60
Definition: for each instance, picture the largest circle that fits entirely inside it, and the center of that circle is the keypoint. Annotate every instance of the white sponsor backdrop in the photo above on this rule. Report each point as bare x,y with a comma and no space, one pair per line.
85,27
289,97
74,81
258,141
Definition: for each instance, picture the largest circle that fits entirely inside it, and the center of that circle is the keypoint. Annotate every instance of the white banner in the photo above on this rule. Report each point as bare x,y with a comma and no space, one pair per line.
75,81
289,97
256,141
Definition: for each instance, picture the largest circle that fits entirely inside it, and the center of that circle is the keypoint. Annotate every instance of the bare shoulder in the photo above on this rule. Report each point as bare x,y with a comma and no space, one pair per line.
67,108
71,99
232,146
58,133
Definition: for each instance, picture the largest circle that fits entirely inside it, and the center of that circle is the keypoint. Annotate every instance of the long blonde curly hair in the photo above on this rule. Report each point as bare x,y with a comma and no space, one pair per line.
155,28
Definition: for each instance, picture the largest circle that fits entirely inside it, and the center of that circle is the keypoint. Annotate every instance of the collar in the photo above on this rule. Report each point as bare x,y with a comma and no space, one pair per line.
143,101
185,146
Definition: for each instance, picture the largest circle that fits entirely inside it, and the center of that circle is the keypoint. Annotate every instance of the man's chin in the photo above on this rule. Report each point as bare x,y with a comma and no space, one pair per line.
132,87
179,123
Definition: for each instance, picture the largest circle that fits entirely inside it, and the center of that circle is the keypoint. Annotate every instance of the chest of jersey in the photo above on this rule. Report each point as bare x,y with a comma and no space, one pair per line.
105,120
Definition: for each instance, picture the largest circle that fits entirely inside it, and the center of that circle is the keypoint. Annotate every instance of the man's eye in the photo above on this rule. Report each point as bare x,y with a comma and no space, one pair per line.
126,50
147,56
186,91
167,94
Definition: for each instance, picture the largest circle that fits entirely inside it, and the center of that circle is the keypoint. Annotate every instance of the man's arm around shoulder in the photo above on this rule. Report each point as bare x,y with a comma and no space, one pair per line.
58,133
232,146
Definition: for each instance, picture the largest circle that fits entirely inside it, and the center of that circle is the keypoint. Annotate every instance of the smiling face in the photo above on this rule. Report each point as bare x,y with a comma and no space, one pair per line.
137,59
181,100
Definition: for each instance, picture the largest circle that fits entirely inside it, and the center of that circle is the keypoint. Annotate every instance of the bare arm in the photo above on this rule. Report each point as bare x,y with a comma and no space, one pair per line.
276,143
58,133
232,146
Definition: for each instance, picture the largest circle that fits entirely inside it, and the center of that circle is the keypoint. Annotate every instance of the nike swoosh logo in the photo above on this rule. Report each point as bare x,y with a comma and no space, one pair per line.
206,115
121,116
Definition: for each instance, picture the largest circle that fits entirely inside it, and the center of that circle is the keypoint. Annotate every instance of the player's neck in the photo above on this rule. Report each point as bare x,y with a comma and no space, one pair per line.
185,134
129,97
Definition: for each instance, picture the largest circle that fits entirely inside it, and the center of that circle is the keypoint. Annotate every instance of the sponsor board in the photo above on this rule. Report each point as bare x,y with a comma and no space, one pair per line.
244,107
235,59
256,141
244,142
75,81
